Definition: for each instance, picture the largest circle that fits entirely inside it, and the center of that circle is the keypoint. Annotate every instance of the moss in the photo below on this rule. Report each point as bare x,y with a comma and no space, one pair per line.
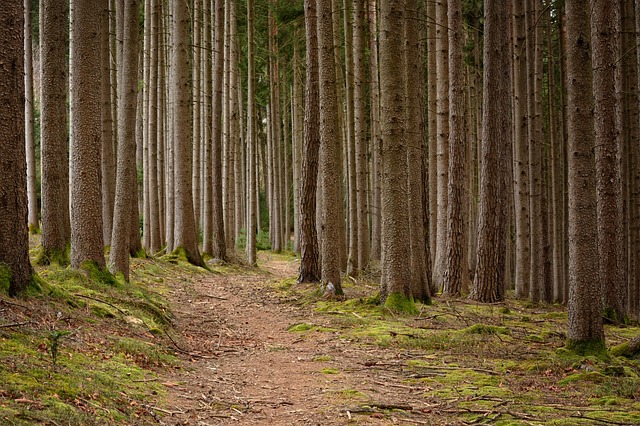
486,329
5,278
595,347
399,303
300,327
145,352
98,273
626,350
330,371
322,358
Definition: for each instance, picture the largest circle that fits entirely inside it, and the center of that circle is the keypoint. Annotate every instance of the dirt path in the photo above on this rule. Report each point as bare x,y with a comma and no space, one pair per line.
260,373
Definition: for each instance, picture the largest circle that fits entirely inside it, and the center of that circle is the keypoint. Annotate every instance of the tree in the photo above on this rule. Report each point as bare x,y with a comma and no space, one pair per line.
86,193
395,222
442,144
521,153
309,253
585,320
30,142
605,37
185,227
489,280
456,275
252,158
127,173
15,266
53,131
360,132
330,149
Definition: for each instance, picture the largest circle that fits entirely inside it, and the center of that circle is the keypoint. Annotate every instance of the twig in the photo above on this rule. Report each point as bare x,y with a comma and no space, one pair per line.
384,406
102,301
171,413
15,304
94,404
610,422
215,297
179,349
17,324
145,380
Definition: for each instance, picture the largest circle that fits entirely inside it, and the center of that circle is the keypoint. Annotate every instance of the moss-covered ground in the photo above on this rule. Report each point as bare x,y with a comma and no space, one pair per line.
479,364
87,347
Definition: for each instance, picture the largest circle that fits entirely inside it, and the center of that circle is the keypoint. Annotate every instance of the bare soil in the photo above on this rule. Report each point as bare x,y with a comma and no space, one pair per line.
245,366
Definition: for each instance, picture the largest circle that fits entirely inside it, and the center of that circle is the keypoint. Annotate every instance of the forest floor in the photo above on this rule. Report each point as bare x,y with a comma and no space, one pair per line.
238,345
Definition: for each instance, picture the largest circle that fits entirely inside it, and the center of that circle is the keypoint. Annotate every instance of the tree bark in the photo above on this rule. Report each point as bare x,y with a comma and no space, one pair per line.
14,234
30,143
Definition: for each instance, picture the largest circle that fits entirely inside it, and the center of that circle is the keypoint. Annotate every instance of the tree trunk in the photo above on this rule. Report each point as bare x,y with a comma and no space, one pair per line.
86,192
309,255
30,143
330,151
495,178
252,157
186,236
395,280
585,320
456,276
126,176
53,130
14,234
374,106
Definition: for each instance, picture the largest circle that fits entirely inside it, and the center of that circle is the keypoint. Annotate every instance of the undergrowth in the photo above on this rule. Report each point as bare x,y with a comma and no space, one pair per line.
494,364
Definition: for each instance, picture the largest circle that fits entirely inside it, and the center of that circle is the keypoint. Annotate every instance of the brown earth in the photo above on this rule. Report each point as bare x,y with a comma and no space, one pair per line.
245,367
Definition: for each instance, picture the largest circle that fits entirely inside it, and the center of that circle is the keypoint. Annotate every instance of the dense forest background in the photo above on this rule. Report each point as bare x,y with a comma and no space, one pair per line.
452,148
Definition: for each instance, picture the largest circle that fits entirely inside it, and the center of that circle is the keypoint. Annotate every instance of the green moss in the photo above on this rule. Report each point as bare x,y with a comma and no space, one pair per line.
399,303
300,327
322,358
625,350
144,351
5,278
98,273
595,347
53,257
330,371
486,329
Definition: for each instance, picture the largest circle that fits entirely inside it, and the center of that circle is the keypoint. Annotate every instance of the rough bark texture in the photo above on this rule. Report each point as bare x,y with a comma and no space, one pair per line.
420,274
374,105
585,320
489,280
127,174
108,154
252,158
605,33
432,118
86,191
360,132
521,153
152,123
309,253
330,151
442,148
53,130
456,276
30,143
395,222
186,236
14,235
219,249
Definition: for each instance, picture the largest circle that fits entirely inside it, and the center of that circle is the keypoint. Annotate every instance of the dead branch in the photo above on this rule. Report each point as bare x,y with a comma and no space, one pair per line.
101,301
17,324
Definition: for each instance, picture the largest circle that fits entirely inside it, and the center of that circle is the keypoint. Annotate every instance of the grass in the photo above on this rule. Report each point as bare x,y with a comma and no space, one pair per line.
500,364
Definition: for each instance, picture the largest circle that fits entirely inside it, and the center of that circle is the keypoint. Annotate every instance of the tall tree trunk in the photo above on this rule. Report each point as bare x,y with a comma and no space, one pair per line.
53,131
86,192
30,143
198,118
14,234
126,176
604,33
374,106
432,117
219,249
108,151
585,318
420,274
489,280
330,150
186,236
395,280
360,132
456,276
252,157
521,152
309,253
442,95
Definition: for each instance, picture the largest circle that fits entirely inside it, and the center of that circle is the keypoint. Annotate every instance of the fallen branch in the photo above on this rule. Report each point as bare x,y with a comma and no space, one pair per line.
7,302
17,324
597,419
184,351
101,301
